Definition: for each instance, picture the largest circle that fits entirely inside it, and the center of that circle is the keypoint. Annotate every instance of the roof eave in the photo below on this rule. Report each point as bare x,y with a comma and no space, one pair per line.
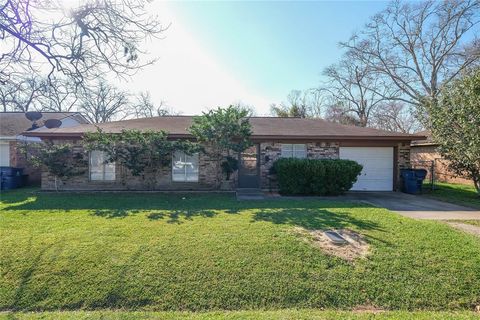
337,137
254,137
424,144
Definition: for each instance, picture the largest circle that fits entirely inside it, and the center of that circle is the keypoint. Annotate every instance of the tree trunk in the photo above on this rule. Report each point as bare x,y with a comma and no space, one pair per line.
476,183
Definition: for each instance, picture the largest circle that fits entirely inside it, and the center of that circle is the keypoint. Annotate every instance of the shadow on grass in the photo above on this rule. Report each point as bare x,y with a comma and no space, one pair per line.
28,273
455,193
174,216
114,213
171,216
31,201
320,219
178,208
314,219
117,297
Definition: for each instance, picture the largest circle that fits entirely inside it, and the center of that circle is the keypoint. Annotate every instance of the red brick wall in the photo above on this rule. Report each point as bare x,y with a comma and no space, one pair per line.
126,181
321,150
207,170
17,160
426,154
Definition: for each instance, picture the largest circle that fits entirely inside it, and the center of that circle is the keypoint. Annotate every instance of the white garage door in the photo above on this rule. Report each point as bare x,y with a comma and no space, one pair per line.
4,154
377,173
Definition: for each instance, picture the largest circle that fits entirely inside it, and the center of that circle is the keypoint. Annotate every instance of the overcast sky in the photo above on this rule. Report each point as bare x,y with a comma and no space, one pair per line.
218,53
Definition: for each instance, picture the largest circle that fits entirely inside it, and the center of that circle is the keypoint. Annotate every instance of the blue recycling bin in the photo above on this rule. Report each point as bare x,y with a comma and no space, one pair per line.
420,174
11,182
413,180
10,171
409,180
11,178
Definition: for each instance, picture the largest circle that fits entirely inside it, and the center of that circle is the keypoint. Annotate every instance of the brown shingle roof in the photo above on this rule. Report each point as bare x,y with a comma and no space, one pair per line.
14,123
263,127
428,141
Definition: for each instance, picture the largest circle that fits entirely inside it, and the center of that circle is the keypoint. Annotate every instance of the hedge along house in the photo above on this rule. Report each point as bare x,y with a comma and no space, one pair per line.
382,154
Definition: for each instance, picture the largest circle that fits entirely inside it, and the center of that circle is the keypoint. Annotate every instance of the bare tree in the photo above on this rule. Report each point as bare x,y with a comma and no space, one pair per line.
22,95
337,112
357,88
418,46
299,103
144,107
94,38
6,93
396,116
59,95
104,103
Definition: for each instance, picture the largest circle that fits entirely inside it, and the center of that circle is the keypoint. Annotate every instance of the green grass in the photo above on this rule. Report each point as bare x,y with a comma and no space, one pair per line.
240,315
166,252
455,193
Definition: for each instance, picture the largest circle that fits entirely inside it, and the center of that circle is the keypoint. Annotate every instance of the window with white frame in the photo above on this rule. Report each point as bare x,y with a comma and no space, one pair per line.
99,169
184,167
4,154
294,150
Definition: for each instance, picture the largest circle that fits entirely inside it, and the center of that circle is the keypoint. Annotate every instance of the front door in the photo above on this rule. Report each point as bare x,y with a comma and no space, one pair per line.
249,169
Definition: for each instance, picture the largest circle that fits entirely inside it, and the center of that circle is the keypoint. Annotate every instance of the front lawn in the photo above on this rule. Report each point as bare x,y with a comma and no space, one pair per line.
455,193
242,315
166,252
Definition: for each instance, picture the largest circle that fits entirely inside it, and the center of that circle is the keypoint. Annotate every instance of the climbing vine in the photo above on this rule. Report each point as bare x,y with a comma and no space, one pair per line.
143,153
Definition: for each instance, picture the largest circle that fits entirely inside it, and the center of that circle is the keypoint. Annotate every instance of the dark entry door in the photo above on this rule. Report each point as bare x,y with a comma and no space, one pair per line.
249,169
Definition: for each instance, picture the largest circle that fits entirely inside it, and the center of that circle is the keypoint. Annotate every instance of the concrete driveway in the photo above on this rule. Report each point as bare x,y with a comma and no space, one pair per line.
416,206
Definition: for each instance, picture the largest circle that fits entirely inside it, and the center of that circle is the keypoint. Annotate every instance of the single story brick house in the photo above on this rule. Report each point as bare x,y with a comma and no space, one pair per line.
382,153
13,124
424,154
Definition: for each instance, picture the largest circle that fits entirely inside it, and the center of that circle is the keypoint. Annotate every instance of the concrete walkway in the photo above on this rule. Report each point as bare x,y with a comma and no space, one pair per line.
466,227
416,206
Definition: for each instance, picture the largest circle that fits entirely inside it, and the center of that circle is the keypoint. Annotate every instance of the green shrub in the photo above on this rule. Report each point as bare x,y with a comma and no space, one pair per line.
315,177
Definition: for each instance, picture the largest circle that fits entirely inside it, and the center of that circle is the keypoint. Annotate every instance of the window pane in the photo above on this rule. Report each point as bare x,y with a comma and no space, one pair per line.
109,176
299,147
184,167
178,166
294,151
4,154
96,161
96,158
300,155
287,150
300,151
99,170
109,171
96,176
192,167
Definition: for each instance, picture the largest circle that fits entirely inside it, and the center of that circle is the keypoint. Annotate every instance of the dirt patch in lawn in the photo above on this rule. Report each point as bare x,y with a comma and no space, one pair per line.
356,247
367,309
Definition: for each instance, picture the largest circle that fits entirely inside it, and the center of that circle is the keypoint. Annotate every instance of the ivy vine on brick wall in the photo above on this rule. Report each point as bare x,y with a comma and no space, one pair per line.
143,153
62,160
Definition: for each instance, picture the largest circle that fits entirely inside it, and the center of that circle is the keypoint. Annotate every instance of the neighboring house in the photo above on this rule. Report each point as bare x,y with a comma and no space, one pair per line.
424,154
382,154
13,124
